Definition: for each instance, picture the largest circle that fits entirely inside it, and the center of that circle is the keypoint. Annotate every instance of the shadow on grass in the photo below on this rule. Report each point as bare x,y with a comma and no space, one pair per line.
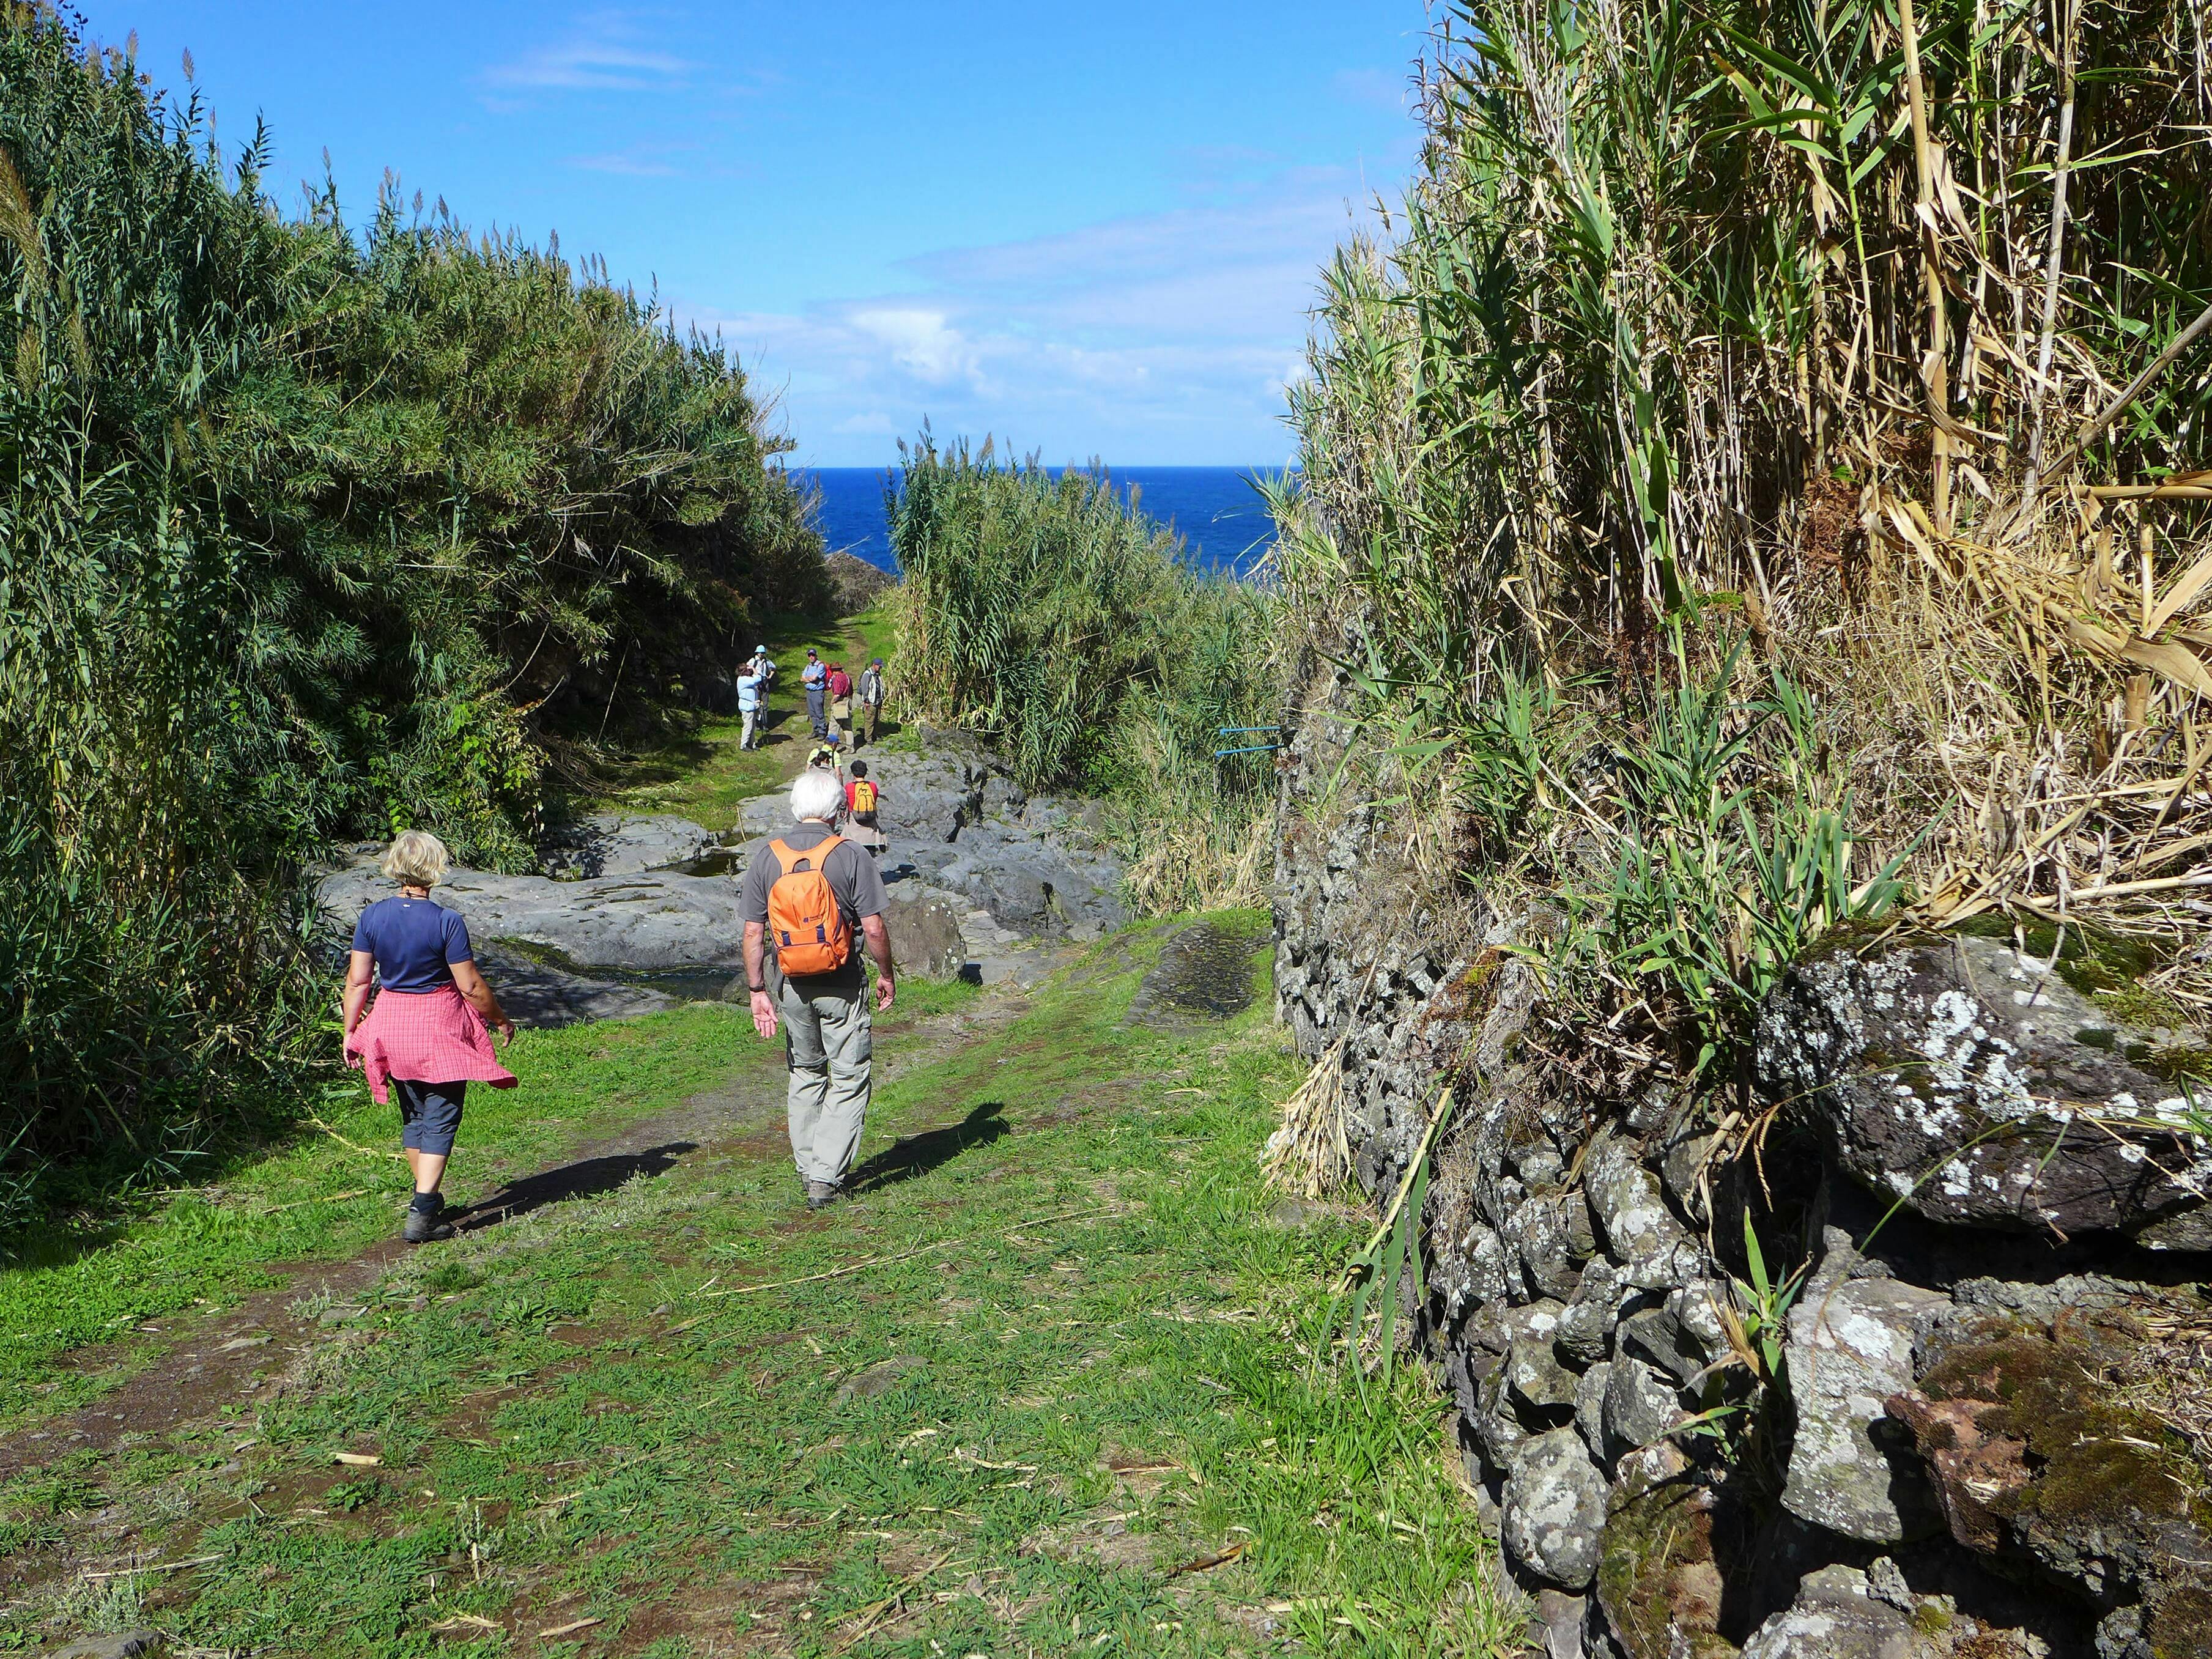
587,1178
917,1155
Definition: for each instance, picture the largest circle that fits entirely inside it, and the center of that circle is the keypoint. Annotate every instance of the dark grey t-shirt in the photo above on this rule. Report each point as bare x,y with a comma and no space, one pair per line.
854,878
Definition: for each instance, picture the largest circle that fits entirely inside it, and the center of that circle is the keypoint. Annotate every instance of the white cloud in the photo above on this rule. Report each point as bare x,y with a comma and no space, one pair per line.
921,341
606,52
1154,338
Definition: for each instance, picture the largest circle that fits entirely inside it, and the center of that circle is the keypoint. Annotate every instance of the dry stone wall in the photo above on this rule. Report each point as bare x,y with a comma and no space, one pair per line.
1962,1453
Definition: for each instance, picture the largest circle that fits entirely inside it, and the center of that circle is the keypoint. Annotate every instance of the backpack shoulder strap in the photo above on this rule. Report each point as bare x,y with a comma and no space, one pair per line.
819,853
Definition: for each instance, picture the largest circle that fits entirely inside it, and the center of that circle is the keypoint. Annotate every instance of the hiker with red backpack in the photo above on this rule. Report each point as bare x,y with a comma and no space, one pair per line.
811,898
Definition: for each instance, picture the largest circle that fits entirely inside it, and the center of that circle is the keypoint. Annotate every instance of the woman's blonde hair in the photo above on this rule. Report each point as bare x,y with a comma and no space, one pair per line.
416,859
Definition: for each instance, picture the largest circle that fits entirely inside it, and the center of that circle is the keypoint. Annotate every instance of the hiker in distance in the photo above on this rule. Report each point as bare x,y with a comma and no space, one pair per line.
815,897
841,702
425,1035
752,692
816,678
862,798
870,707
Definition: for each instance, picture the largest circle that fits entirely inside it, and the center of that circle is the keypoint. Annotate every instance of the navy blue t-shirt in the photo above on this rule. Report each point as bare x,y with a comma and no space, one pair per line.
413,940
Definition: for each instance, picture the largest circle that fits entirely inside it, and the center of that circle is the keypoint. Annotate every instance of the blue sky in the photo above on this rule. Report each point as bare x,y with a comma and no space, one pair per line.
1093,230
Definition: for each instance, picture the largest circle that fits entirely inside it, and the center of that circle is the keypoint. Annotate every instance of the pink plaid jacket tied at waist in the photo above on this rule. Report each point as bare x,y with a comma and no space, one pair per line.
424,1036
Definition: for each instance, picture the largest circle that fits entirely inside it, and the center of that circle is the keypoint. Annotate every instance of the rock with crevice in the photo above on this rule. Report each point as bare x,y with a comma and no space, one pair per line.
1851,1344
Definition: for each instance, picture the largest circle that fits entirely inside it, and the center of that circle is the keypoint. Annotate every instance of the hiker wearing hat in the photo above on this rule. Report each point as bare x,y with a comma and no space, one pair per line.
426,1035
811,899
871,704
841,702
752,691
816,678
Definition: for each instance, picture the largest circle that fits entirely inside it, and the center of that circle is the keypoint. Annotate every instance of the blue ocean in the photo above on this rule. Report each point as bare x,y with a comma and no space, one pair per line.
1221,517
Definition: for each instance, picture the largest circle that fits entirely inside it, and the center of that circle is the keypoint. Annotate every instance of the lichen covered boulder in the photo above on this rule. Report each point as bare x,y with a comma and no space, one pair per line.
1975,1085
1555,1508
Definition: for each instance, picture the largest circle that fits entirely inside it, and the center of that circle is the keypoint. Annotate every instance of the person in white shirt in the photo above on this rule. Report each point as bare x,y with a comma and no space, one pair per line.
751,688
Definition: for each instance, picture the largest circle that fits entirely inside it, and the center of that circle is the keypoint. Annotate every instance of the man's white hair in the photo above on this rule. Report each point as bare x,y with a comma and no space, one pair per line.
816,793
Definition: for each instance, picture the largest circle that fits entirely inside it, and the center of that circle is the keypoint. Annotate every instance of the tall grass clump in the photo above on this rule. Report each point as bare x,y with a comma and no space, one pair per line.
1055,619
1845,360
303,532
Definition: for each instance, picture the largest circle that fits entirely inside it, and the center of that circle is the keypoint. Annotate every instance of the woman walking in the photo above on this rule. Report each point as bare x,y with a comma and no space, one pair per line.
426,1032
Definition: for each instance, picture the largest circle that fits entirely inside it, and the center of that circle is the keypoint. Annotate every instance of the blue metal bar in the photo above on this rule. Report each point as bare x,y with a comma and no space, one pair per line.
1256,748
1225,730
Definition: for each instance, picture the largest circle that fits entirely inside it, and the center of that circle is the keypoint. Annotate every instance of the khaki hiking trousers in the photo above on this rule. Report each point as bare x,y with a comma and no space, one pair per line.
829,1045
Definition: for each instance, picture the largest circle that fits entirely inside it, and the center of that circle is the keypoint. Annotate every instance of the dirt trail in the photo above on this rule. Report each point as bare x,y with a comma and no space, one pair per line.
253,1350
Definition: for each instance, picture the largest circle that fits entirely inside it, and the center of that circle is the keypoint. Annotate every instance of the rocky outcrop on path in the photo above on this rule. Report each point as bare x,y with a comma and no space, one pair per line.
631,913
1970,1445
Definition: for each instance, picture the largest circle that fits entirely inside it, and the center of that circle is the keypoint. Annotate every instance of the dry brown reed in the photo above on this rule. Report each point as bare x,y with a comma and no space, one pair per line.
1308,1155
1871,337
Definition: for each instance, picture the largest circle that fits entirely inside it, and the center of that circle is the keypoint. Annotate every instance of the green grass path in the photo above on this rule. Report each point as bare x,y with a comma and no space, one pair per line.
1042,1388
704,776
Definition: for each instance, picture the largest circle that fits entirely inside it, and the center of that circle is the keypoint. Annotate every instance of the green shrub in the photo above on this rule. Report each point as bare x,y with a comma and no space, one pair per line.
304,533
1047,615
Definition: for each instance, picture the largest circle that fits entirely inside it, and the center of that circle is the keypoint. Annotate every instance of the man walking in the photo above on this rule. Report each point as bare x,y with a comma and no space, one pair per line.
816,678
750,689
810,893
872,704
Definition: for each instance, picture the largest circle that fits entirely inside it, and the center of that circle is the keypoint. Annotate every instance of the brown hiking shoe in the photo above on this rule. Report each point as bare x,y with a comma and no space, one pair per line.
822,1194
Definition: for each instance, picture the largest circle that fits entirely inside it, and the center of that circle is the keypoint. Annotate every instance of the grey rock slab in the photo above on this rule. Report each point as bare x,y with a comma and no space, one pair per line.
662,920
1553,1509
537,994
1560,1617
1656,1336
1975,1085
1836,1617
1485,1266
624,844
1204,972
1852,1469
1639,1232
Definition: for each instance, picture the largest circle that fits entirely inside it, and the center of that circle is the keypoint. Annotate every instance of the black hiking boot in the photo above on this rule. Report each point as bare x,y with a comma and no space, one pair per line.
427,1226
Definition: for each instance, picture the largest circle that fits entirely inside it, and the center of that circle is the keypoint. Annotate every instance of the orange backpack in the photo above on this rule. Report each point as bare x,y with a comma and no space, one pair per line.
809,930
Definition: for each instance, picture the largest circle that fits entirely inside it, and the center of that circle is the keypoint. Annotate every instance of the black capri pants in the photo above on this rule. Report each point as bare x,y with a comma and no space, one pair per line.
429,1114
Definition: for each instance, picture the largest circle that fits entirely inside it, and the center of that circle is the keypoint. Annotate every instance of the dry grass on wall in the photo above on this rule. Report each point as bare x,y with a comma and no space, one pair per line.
1865,344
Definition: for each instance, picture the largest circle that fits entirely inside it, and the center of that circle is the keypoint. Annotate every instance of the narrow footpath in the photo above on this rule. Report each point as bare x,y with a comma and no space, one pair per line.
1043,1387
